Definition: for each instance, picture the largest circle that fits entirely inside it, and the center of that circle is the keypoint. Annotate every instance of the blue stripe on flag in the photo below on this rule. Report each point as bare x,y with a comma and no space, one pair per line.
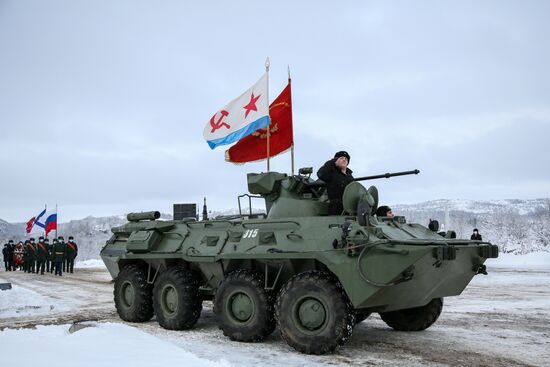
241,133
36,221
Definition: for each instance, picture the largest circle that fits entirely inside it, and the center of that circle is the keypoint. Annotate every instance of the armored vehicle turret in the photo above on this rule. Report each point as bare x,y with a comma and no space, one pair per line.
296,268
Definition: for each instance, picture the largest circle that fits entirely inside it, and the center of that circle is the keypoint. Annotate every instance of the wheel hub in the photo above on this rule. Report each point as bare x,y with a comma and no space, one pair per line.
312,314
169,298
241,306
128,294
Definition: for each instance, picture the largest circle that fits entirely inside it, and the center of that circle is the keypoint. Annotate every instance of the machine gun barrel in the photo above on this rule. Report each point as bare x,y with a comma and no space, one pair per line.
388,175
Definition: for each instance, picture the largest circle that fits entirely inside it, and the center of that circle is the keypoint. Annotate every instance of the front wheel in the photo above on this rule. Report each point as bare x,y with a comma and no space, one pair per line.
133,295
313,313
414,319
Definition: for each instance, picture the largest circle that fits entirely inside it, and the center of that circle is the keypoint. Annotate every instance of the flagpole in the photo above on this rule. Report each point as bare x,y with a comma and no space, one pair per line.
268,117
46,209
292,145
56,220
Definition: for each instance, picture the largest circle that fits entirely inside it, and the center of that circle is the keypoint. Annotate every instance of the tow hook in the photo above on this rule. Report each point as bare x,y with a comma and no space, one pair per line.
480,269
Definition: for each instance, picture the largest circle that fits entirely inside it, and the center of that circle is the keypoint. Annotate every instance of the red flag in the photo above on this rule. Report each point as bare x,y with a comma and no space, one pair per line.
254,146
30,224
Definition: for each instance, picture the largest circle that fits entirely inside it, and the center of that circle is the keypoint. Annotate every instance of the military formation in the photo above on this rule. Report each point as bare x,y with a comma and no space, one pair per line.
41,257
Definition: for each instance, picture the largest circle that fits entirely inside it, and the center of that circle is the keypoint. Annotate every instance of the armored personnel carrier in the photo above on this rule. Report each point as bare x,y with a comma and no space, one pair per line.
295,267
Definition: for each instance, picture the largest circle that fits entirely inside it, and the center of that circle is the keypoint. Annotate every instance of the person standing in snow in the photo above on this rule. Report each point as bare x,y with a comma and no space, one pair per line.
58,255
41,255
6,254
336,175
476,236
72,252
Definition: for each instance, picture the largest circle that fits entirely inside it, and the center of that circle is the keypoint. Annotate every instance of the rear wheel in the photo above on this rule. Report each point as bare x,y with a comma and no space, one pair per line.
414,319
133,295
313,313
243,308
176,299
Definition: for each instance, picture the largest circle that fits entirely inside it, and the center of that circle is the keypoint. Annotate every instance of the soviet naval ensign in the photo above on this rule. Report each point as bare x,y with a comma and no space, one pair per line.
240,117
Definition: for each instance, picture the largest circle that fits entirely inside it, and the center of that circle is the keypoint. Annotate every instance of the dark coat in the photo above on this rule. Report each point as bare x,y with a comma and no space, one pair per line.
41,251
476,237
6,253
72,250
336,182
58,253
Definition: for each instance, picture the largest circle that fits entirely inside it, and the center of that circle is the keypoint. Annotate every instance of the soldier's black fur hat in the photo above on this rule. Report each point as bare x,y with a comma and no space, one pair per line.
41,238
71,238
475,230
60,238
46,239
342,153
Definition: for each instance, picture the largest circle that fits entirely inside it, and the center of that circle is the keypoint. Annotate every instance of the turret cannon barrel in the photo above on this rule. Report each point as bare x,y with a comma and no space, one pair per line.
388,175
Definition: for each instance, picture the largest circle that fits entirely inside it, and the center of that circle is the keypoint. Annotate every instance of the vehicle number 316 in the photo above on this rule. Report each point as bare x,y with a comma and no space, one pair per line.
250,233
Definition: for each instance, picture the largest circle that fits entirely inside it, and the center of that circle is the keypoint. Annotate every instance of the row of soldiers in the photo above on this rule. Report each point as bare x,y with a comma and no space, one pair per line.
43,256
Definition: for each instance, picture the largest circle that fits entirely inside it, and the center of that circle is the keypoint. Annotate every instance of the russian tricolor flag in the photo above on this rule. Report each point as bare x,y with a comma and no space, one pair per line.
51,223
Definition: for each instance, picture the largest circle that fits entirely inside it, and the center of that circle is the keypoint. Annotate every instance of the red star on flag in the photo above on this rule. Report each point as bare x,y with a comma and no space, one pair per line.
251,106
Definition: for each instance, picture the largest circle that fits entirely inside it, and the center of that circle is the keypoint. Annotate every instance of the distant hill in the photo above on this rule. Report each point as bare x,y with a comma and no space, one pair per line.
517,226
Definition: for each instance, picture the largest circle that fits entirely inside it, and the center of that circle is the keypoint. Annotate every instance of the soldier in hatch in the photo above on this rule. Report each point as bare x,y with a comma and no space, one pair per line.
384,211
336,175
476,236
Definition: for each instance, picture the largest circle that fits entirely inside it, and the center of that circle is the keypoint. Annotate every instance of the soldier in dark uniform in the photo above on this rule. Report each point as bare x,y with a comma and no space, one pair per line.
52,255
31,256
49,254
41,255
60,239
336,175
476,236
26,256
6,255
58,255
72,253
11,260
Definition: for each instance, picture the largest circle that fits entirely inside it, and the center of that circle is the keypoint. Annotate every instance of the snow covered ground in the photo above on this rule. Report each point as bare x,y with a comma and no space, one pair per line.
104,344
502,319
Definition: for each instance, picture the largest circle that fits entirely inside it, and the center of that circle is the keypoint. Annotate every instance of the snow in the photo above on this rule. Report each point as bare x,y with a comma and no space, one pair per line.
93,263
19,302
531,261
103,344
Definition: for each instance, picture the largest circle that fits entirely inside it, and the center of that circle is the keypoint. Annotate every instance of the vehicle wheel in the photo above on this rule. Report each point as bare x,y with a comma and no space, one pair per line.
414,319
243,308
361,316
133,296
313,313
176,298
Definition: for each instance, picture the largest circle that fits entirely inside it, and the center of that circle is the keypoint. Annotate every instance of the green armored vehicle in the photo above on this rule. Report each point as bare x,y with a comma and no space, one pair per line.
312,275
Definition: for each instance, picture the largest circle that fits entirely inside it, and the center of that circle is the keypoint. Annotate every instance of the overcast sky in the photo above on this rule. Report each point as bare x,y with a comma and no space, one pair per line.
103,103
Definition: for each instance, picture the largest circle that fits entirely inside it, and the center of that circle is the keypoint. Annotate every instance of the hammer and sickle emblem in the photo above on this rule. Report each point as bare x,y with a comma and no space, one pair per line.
218,124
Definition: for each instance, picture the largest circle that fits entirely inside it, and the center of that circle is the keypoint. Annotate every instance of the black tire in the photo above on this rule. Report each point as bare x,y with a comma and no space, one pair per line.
243,308
176,299
414,319
133,295
361,316
313,313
